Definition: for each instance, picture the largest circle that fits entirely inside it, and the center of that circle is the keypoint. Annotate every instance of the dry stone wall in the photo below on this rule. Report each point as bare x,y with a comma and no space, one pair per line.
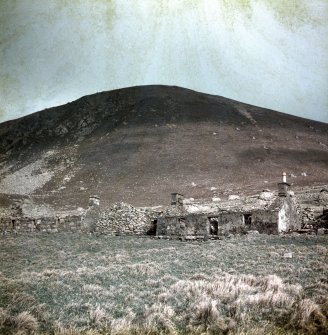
120,219
264,221
45,224
185,227
124,219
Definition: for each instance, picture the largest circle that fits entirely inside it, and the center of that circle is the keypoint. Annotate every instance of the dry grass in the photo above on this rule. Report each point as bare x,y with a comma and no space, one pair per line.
79,284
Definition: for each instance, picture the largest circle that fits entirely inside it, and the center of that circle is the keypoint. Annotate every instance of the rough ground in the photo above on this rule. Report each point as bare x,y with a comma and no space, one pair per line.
68,284
139,144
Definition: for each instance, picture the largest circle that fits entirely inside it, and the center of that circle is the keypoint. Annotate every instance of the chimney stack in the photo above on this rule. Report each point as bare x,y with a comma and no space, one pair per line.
176,199
94,200
283,187
284,177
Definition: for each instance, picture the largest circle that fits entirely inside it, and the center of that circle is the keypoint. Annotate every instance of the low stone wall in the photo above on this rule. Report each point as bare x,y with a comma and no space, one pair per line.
5,224
44,224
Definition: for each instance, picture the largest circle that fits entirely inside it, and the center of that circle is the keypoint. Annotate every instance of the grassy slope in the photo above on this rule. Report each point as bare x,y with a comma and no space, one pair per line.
243,284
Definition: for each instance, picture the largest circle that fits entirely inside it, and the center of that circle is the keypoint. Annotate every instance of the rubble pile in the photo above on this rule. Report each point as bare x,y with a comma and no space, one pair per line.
310,214
314,219
124,219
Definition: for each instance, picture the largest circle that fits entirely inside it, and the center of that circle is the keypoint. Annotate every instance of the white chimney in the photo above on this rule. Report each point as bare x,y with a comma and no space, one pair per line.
284,177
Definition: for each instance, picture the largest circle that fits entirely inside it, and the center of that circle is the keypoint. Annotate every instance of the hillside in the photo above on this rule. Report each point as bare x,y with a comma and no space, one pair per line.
141,143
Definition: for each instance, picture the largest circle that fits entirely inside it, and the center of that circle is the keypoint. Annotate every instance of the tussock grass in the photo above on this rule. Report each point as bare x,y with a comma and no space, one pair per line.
77,284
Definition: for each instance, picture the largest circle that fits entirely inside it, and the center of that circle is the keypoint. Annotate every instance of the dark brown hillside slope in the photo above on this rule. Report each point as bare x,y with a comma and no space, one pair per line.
139,144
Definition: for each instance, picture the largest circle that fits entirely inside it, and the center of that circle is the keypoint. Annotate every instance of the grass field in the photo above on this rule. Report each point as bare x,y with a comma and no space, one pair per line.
80,284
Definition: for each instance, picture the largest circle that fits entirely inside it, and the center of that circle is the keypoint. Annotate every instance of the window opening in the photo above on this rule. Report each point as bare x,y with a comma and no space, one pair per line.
248,219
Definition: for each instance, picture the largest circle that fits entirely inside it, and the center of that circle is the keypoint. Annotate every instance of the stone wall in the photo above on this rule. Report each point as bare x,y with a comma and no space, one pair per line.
167,226
220,224
282,216
120,219
264,221
288,217
124,219
191,226
200,226
44,224
6,224
90,219
231,223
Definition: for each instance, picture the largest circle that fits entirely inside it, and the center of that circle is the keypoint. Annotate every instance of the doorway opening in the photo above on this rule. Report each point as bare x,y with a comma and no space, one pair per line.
152,230
214,226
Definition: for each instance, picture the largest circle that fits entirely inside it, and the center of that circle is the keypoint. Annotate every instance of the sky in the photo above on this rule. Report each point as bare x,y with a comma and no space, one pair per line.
269,53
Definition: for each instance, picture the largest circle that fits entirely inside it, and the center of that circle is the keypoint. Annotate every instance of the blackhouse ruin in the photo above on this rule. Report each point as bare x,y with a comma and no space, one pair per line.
185,219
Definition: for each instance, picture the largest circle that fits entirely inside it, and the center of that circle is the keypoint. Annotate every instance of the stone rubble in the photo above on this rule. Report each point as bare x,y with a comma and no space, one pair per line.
124,219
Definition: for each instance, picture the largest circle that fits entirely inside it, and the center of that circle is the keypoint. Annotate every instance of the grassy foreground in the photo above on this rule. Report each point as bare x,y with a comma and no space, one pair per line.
79,284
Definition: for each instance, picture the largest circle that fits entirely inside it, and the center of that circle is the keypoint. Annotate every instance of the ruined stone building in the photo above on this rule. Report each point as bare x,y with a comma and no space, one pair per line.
265,213
18,219
268,212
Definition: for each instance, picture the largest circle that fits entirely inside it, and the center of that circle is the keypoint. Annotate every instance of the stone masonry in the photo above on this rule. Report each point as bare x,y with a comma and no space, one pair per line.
124,219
